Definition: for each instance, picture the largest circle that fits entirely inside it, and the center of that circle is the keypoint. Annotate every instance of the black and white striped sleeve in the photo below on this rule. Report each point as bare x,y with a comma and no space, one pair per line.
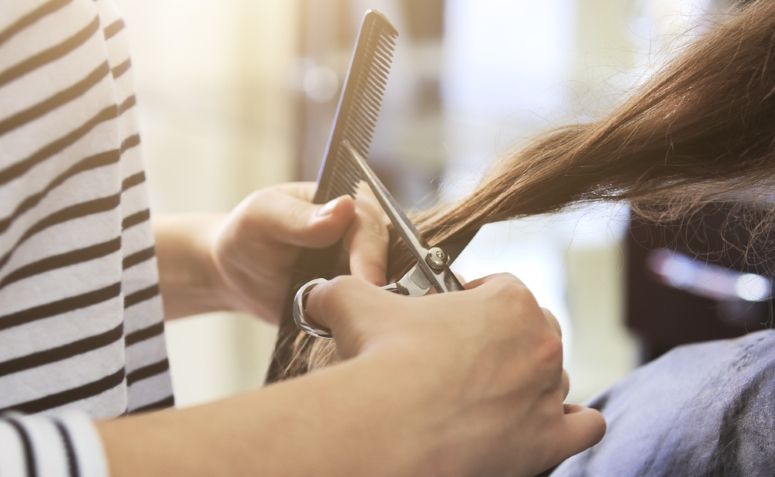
55,445
81,332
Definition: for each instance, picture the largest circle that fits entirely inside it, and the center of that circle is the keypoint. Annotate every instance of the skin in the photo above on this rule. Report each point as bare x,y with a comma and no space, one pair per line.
242,261
462,384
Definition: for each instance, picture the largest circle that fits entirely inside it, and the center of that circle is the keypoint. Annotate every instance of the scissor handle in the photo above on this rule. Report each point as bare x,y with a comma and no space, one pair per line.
300,302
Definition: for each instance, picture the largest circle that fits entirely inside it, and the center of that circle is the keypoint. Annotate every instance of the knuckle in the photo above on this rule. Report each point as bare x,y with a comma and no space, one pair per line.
338,290
366,234
243,220
340,284
249,215
565,384
549,351
552,320
332,300
370,224
326,295
382,232
510,289
260,196
368,201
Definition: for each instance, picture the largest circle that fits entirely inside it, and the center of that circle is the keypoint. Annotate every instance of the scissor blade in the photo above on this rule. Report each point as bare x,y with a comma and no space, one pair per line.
404,227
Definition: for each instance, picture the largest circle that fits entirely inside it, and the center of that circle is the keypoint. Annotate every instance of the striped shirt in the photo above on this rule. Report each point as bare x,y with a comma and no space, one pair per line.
81,332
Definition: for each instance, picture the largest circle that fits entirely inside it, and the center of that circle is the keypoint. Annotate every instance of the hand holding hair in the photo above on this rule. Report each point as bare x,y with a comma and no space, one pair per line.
256,246
244,260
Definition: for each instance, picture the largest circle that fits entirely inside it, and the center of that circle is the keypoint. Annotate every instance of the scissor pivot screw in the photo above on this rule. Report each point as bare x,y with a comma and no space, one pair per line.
436,259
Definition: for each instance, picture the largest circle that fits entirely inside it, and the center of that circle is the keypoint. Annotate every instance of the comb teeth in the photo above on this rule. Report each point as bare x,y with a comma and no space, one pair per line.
359,106
345,177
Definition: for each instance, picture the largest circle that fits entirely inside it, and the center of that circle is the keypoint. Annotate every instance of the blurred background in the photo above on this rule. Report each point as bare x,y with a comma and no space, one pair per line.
240,94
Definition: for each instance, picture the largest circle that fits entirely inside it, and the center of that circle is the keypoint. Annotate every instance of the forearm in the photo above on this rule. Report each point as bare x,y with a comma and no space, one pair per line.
187,276
344,420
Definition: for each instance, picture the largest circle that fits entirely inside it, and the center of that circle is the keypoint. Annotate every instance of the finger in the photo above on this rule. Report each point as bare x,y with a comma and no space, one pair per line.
346,305
581,428
366,200
564,385
570,408
504,286
290,220
303,190
367,243
367,238
496,278
552,320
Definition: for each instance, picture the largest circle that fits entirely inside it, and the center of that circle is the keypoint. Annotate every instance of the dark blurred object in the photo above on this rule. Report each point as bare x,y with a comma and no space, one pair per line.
697,279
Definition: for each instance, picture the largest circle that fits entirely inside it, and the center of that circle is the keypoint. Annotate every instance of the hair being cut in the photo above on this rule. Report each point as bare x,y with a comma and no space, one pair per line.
701,131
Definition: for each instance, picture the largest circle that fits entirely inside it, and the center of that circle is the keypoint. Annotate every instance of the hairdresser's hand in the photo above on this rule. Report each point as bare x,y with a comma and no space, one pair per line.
478,373
242,261
256,246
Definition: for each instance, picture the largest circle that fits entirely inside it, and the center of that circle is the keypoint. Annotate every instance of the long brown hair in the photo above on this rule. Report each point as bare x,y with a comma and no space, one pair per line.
701,131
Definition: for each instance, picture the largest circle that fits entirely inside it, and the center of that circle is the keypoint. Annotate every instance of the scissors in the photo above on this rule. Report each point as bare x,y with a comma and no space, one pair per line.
431,270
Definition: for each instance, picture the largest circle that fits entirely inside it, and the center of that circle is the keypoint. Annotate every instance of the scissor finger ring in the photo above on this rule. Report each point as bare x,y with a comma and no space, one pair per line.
299,302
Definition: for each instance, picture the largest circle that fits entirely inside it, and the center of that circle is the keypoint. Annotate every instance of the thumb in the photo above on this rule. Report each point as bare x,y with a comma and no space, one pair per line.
327,223
582,428
297,222
347,306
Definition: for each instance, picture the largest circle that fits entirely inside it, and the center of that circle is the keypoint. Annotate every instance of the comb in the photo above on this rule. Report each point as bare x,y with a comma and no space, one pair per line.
356,117
359,106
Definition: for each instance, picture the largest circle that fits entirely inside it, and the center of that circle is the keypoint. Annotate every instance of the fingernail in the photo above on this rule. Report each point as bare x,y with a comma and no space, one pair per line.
327,209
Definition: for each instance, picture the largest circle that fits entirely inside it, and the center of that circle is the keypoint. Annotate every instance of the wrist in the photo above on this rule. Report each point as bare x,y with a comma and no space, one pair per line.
422,402
377,416
189,280
349,419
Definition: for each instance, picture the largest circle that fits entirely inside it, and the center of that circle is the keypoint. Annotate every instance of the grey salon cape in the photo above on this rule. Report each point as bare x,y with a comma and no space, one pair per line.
700,410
